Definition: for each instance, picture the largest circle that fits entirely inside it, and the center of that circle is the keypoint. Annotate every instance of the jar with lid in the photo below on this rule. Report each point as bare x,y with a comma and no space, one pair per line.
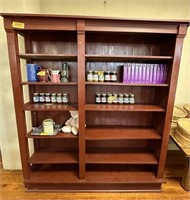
120,98
113,76
95,76
47,97
109,98
59,98
48,126
103,98
126,98
90,76
65,98
131,98
42,97
115,98
35,97
101,76
53,98
107,76
98,98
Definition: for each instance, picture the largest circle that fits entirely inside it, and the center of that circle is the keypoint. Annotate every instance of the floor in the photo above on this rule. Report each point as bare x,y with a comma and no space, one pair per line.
11,187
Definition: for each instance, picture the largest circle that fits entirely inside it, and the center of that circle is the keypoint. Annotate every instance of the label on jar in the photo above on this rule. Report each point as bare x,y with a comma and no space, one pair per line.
41,98
113,77
35,99
47,99
95,77
107,76
98,99
53,99
65,99
103,98
89,76
126,100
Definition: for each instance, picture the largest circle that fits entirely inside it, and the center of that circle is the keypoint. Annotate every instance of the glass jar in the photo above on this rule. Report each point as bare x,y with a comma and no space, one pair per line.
126,98
90,76
98,98
107,77
41,97
59,98
35,97
48,126
101,76
65,98
120,98
131,98
109,98
113,76
115,98
95,76
47,97
53,98
103,98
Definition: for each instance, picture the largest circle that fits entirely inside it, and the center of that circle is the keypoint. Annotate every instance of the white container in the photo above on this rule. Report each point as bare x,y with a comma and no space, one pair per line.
48,126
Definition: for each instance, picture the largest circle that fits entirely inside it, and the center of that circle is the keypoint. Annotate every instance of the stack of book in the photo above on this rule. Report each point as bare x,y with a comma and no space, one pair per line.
144,73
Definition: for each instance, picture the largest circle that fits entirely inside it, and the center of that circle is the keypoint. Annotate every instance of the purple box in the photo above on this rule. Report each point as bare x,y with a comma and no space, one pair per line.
136,79
127,73
140,73
143,79
133,72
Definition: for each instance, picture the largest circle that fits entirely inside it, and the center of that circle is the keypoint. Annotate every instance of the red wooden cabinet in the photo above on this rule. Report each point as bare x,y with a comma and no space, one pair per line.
119,147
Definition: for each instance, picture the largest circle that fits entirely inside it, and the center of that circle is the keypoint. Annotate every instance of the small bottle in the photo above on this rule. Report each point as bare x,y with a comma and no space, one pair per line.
41,97
101,76
109,98
107,77
120,98
59,98
47,97
115,98
126,98
113,76
131,98
65,98
98,98
103,98
35,97
95,76
53,98
90,76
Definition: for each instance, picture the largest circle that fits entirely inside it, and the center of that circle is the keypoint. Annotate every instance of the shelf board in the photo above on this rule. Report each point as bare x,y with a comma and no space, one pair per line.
127,84
47,83
120,58
59,175
120,156
58,135
124,108
49,107
46,156
57,57
115,133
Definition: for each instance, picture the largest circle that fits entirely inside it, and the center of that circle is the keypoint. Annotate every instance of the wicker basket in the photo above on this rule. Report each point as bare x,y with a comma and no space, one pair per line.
178,113
186,107
184,141
183,127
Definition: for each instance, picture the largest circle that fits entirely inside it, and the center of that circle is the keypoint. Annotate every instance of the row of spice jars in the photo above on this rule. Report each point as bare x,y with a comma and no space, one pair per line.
101,76
50,97
109,98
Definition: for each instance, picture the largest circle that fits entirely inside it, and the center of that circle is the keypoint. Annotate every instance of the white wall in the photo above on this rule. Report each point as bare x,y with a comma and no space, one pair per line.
8,133
158,9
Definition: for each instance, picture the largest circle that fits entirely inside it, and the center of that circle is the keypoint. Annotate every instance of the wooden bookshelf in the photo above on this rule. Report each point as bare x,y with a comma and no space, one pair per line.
119,147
